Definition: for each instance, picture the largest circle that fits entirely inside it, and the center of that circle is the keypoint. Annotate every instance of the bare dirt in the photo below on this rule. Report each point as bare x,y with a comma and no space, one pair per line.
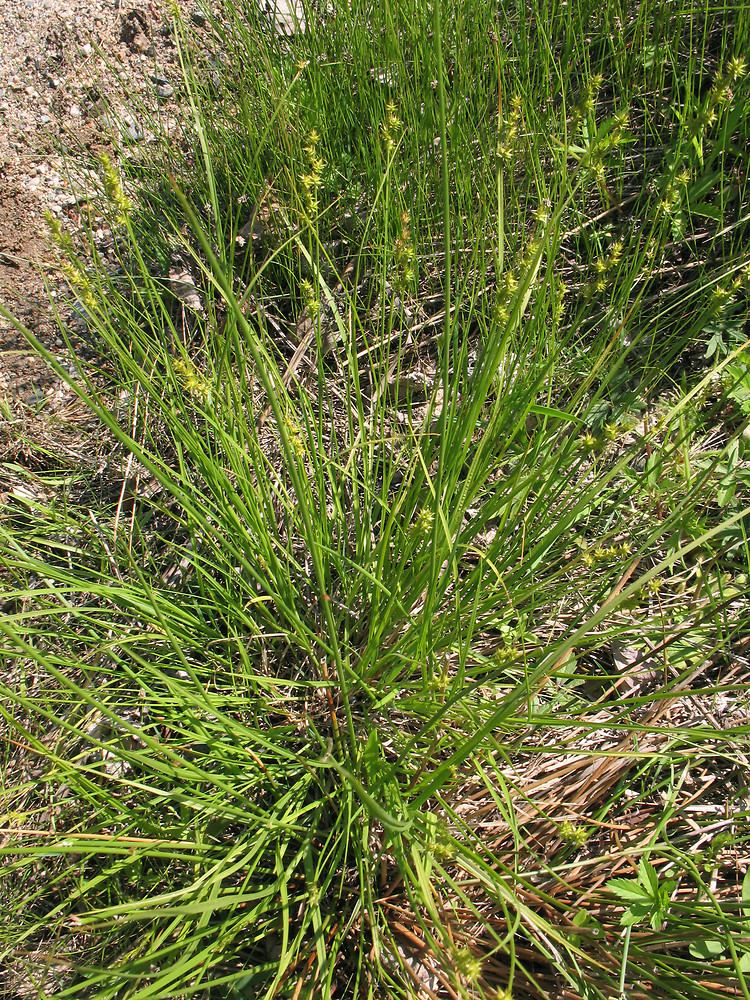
64,66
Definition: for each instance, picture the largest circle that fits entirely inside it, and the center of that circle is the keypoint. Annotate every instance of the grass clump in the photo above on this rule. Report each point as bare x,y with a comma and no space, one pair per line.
399,650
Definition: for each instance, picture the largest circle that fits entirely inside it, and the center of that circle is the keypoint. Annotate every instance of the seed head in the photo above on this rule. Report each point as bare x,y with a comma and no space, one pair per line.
573,834
425,520
114,190
736,68
588,441
191,380
469,965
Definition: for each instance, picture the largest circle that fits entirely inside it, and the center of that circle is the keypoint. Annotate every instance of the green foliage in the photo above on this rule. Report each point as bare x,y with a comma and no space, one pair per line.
412,351
647,897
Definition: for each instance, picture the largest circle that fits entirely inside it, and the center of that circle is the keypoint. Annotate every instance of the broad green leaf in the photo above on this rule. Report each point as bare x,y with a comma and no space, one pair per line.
635,914
628,889
707,948
648,877
706,211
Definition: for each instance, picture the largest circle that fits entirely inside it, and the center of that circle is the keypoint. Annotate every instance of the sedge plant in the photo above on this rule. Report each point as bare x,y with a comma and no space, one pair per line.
375,657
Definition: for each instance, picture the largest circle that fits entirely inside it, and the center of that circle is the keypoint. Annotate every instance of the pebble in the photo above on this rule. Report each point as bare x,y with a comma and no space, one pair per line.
140,43
131,130
286,16
162,86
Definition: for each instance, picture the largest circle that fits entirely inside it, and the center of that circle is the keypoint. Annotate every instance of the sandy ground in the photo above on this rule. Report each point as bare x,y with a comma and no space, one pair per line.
60,61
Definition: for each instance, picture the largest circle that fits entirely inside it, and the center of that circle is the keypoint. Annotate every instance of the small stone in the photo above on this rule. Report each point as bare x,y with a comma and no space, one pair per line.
131,130
80,317
133,31
162,86
86,50
140,43
184,287
287,16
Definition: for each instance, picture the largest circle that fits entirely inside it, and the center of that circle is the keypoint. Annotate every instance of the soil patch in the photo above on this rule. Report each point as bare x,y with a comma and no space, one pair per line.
62,67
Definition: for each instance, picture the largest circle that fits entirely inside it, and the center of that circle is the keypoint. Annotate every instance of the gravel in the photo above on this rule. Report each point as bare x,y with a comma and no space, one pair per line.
63,63
68,69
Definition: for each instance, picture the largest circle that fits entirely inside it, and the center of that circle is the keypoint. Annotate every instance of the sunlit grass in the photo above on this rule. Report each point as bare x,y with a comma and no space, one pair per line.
411,610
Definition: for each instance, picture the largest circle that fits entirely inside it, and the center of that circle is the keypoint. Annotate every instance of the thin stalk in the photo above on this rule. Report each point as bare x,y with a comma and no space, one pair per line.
297,475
